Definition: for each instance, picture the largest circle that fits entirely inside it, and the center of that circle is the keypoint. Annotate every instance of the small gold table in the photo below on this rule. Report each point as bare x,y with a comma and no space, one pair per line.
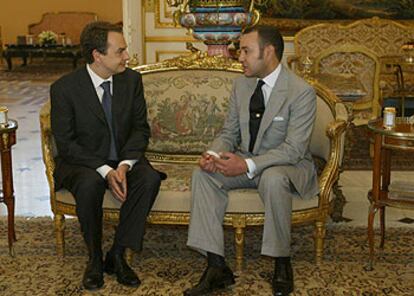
8,139
401,137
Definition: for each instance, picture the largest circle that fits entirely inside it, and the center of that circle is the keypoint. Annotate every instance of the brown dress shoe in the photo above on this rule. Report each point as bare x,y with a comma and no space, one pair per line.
213,278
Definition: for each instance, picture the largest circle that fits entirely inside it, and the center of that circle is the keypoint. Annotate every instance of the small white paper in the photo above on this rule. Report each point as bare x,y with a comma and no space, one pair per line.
213,153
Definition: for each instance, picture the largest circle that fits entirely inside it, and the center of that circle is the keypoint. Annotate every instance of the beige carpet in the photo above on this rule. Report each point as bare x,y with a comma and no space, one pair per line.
166,266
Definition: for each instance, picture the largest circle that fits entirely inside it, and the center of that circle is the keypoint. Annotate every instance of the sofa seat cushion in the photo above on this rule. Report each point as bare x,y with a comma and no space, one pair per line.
175,194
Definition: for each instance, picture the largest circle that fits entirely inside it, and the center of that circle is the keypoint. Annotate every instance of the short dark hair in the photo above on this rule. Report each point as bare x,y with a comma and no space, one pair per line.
95,36
268,35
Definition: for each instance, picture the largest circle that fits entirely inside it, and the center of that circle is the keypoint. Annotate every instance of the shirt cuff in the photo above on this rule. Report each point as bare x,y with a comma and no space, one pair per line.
251,168
104,170
129,162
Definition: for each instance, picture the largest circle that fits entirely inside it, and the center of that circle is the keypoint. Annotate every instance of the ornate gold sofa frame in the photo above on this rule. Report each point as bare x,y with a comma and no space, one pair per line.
70,23
370,39
187,99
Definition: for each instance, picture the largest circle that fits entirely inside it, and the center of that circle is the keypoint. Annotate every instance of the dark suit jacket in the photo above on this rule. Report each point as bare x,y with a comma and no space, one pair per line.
79,126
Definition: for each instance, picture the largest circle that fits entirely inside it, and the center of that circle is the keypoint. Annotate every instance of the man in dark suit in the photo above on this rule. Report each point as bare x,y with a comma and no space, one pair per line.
99,122
264,144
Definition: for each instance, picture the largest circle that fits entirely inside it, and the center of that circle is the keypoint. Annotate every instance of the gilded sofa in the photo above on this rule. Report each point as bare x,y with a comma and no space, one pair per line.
359,49
187,98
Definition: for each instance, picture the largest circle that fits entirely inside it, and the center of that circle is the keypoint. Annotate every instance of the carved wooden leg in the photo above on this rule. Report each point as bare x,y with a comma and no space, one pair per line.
371,216
319,236
239,240
382,226
239,224
60,234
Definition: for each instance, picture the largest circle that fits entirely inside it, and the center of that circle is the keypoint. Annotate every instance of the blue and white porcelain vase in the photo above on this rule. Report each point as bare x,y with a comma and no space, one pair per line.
216,23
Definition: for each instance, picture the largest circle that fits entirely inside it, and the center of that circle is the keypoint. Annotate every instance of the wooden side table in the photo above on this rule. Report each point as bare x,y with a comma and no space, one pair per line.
401,137
8,139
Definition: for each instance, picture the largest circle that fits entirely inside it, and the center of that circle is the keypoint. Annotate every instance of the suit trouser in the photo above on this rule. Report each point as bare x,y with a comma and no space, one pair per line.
209,203
89,187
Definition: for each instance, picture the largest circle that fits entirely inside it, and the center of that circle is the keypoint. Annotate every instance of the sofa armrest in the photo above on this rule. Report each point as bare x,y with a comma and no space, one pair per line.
330,173
47,145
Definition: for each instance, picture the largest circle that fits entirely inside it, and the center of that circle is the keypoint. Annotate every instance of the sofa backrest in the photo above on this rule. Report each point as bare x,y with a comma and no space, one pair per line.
70,23
187,99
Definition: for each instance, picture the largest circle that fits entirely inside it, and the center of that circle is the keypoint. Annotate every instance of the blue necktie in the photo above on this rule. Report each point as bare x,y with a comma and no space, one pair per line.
257,108
107,107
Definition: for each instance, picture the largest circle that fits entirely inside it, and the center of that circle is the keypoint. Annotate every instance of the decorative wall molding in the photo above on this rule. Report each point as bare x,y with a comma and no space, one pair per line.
133,30
164,15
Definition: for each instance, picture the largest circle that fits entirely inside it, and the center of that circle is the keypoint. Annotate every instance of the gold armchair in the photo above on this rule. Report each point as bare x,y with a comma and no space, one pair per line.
187,101
371,39
352,71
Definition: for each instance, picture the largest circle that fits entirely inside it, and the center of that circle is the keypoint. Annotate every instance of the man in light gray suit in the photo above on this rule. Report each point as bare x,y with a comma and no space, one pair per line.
264,144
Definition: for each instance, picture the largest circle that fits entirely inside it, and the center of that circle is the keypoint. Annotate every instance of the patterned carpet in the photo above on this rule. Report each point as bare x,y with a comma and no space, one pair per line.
167,267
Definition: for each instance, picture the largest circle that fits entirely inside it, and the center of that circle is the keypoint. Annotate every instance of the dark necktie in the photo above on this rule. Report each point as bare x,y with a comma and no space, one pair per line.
107,107
257,108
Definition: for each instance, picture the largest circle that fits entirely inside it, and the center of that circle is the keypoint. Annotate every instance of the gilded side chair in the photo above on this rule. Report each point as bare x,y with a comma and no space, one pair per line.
347,61
383,37
187,99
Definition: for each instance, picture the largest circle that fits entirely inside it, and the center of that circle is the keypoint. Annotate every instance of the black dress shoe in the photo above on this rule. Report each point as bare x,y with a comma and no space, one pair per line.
213,278
93,276
282,282
115,263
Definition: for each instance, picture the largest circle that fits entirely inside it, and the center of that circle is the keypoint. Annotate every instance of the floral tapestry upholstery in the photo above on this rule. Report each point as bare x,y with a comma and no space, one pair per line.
186,109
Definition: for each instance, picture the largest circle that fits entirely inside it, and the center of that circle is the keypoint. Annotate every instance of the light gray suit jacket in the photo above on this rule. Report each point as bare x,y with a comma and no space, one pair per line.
285,130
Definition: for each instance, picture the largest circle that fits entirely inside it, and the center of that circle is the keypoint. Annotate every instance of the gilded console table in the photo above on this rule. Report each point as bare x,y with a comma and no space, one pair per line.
8,139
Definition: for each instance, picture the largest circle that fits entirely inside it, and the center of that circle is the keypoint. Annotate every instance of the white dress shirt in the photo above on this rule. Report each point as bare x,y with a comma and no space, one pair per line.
97,81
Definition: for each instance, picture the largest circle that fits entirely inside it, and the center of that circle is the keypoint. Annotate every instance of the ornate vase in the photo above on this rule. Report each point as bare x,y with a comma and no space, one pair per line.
216,23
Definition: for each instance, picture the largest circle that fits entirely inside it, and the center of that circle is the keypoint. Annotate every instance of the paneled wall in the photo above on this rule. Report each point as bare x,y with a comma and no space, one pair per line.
16,15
